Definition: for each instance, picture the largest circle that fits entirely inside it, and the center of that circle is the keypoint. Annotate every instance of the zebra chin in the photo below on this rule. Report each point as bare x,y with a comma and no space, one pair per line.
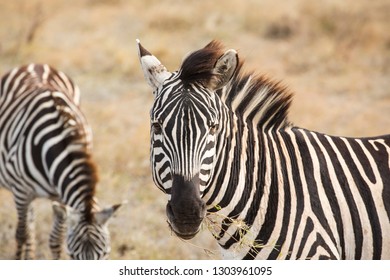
185,229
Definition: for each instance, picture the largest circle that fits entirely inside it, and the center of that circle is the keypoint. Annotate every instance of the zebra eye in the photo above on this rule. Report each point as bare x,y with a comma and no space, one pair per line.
156,126
213,128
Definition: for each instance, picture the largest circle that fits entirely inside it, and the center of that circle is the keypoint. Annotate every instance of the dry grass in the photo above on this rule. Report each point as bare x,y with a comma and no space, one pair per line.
334,54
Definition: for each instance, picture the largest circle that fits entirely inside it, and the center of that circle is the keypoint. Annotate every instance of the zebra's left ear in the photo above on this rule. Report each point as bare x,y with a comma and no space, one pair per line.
224,69
155,73
104,215
59,210
63,212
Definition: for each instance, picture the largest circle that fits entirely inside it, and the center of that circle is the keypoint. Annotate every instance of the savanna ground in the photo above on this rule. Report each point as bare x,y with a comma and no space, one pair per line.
335,56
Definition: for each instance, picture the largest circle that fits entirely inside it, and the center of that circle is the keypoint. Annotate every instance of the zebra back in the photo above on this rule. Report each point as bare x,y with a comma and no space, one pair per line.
34,76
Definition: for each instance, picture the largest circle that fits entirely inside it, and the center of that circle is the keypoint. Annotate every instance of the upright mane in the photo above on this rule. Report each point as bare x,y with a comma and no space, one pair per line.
198,66
252,97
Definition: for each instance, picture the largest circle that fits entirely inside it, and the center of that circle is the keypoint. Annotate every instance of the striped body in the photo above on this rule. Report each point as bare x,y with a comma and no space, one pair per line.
34,111
307,197
221,141
45,151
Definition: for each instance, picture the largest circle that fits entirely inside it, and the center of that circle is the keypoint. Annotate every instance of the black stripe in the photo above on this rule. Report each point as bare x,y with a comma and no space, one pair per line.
271,213
309,226
320,243
287,203
330,193
367,198
346,189
311,183
298,189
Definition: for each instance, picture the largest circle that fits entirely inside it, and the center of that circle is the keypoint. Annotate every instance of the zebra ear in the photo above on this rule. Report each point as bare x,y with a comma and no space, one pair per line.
224,69
155,73
104,215
73,216
63,212
59,210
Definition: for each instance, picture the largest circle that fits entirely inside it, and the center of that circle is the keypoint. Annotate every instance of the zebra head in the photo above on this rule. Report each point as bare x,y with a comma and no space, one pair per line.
185,126
87,238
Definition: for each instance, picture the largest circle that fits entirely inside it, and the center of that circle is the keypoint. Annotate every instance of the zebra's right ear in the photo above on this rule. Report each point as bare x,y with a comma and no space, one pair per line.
59,210
224,69
155,73
63,212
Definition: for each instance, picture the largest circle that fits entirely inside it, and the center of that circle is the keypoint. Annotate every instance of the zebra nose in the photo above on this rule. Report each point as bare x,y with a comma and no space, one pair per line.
185,210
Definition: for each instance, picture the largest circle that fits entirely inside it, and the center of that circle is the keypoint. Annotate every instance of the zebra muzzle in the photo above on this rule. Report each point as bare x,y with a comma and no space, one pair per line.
185,210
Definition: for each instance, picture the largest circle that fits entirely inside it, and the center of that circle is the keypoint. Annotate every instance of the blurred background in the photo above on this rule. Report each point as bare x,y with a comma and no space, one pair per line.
334,55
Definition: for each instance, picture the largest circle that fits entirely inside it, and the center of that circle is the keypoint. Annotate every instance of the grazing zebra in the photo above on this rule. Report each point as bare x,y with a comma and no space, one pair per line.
224,152
45,151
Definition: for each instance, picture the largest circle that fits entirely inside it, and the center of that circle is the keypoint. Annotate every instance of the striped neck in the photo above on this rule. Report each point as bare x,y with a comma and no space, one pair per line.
241,186
253,109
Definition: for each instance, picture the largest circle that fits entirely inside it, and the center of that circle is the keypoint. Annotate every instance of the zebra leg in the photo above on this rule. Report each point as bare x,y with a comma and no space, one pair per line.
25,231
57,232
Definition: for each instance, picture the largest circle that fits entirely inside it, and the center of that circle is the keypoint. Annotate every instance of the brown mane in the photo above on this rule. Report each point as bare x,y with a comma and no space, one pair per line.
264,101
79,137
197,67
90,202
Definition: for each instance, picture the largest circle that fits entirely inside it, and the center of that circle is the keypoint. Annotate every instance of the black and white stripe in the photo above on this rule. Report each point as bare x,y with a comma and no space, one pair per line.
271,190
45,151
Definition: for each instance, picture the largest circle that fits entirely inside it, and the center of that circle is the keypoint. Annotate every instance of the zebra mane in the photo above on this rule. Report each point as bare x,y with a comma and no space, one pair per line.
257,99
198,66
78,135
90,201
252,97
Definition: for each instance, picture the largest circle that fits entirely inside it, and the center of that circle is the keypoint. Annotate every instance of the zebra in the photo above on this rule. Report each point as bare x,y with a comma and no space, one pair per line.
45,151
226,155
